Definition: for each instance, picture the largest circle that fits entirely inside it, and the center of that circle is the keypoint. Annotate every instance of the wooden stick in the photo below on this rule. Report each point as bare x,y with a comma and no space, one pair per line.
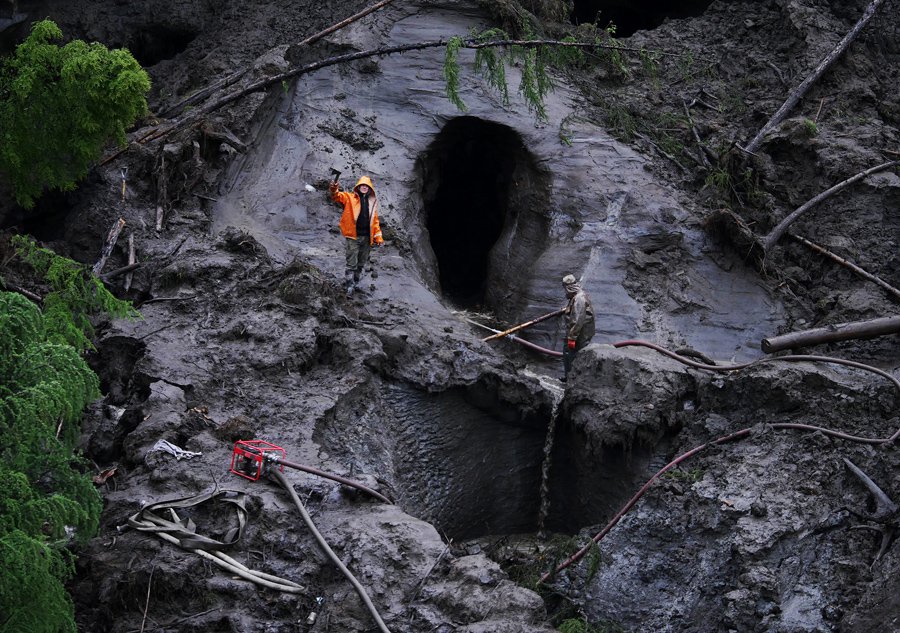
703,159
516,339
840,260
769,241
522,326
121,271
661,151
819,111
798,92
108,246
147,601
131,260
23,292
828,334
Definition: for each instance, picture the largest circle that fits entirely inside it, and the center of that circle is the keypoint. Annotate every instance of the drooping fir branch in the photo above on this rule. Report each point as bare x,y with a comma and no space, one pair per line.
195,115
75,295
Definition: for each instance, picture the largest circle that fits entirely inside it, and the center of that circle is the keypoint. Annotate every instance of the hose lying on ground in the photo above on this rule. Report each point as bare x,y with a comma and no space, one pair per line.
222,560
279,476
727,438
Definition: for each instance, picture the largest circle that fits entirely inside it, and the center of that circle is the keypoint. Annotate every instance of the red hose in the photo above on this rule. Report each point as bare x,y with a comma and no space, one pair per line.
727,438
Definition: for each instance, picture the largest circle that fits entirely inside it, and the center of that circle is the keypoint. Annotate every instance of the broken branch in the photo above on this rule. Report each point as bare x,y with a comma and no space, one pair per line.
124,270
859,271
700,147
108,245
798,92
775,234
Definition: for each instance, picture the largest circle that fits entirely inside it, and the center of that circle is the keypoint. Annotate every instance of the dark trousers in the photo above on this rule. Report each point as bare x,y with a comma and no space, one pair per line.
569,354
357,255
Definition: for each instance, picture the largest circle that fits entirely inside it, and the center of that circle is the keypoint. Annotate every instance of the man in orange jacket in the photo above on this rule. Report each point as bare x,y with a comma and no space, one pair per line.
359,225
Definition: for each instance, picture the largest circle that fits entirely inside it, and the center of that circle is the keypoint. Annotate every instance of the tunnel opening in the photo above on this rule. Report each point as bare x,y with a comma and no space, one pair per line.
480,189
629,17
157,43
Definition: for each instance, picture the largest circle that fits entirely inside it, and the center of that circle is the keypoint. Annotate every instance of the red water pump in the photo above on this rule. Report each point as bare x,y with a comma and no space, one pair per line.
251,458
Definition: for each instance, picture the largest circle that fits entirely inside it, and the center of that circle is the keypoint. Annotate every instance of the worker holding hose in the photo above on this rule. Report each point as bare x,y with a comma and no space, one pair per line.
579,322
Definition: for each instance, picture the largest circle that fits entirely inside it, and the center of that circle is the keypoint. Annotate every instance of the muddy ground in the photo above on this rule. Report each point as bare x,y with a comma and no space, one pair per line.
247,334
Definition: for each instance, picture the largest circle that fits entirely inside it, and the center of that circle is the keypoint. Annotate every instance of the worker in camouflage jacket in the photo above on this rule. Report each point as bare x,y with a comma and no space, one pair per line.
359,225
579,322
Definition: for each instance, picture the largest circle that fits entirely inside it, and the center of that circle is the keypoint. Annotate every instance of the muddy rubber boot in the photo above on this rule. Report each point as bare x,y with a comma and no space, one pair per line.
349,284
356,277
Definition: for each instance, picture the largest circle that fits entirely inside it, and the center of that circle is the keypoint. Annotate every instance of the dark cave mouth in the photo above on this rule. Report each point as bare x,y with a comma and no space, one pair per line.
156,43
476,176
629,17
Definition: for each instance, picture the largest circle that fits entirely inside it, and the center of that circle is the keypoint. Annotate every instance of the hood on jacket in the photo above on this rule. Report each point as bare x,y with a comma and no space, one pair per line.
571,285
364,180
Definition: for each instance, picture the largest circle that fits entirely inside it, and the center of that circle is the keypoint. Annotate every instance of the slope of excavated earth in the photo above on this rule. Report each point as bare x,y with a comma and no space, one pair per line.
247,334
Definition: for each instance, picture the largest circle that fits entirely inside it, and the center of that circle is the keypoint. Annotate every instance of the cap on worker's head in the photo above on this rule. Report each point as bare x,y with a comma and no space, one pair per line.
569,279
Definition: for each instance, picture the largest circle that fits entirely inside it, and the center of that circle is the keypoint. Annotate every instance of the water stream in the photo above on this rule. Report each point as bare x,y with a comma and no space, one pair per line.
556,393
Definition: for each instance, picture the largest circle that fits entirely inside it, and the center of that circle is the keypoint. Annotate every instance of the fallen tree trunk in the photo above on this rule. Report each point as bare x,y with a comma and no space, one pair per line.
831,333
196,114
131,261
797,94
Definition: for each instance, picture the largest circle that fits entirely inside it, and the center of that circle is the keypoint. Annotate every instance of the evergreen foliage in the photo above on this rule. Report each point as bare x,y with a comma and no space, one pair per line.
60,105
75,295
493,54
451,71
45,498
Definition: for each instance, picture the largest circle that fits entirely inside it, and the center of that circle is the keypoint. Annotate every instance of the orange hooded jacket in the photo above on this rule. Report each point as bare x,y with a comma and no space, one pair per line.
351,204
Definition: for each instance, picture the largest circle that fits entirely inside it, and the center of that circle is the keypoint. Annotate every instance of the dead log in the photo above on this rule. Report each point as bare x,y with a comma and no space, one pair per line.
775,234
798,92
832,333
219,133
108,245
840,260
196,114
